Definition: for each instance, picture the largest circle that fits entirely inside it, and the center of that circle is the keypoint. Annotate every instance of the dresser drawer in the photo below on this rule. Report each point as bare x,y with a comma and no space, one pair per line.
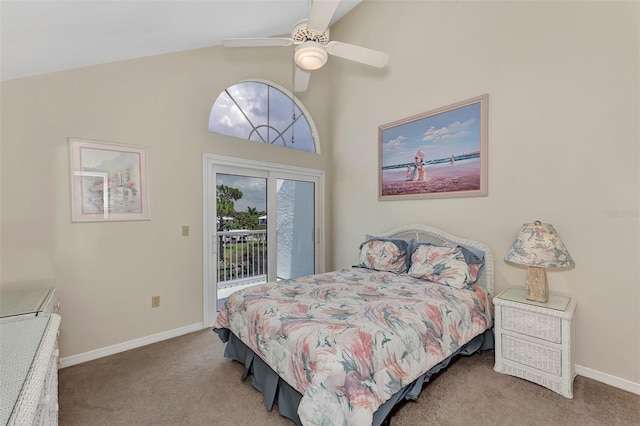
29,370
531,354
532,324
47,412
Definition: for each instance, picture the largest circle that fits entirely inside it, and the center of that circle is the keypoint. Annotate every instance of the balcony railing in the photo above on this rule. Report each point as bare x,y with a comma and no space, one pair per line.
242,257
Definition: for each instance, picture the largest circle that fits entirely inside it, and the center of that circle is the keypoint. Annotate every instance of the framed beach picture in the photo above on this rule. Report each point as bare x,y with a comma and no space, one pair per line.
109,182
437,154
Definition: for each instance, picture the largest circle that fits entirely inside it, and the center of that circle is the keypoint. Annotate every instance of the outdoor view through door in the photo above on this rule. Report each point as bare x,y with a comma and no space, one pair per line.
241,232
243,240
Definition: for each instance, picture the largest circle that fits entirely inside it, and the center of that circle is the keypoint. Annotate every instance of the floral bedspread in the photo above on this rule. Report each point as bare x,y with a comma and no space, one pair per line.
348,340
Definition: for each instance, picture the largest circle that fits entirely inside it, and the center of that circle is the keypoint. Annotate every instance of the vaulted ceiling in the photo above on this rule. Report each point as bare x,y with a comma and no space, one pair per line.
53,35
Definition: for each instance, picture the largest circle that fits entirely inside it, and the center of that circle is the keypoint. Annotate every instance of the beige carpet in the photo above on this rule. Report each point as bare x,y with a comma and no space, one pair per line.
186,381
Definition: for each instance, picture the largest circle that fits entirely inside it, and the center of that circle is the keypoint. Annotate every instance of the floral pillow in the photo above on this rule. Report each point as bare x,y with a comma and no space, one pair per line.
384,255
473,256
475,260
408,247
442,265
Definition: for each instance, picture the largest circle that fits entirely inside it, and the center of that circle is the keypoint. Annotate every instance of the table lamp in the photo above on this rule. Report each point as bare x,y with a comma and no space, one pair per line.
538,246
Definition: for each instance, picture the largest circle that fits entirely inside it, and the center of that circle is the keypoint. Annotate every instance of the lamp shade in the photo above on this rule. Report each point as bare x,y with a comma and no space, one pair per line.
310,55
538,244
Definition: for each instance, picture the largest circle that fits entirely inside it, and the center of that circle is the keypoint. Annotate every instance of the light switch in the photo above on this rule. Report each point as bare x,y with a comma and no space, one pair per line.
185,230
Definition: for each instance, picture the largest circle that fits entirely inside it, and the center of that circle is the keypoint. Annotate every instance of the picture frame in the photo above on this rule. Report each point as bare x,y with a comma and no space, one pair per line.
109,182
437,154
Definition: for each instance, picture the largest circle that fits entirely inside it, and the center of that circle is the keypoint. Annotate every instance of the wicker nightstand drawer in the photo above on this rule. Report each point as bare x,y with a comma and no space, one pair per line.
532,324
527,353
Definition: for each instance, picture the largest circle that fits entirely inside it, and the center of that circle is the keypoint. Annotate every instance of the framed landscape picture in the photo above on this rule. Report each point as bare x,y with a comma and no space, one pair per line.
109,182
437,154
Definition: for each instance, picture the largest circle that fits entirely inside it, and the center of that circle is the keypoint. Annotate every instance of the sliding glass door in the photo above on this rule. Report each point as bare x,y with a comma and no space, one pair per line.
261,225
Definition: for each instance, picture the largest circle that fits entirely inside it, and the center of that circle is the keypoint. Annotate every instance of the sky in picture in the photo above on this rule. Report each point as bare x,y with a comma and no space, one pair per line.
449,133
110,160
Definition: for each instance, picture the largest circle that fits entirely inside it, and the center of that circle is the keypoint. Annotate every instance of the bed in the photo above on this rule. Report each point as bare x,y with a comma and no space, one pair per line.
346,347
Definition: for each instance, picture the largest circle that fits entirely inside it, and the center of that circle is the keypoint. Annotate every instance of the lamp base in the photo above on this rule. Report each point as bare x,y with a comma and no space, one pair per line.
537,288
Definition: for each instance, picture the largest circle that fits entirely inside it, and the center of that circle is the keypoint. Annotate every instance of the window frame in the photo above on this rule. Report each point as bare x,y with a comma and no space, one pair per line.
312,126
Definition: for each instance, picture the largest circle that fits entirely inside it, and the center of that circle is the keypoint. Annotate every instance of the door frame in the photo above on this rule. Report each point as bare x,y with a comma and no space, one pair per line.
209,208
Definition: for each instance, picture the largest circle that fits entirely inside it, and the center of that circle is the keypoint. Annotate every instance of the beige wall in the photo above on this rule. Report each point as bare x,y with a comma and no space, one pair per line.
563,93
562,80
106,273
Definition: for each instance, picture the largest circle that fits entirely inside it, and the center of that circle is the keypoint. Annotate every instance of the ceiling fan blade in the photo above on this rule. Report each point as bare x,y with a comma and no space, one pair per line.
360,54
301,80
320,14
257,42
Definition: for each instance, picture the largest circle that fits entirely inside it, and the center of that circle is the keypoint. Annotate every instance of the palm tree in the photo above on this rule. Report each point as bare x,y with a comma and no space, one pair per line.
252,218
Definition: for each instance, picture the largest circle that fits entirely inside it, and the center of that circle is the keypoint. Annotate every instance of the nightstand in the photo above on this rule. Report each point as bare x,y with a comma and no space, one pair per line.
534,341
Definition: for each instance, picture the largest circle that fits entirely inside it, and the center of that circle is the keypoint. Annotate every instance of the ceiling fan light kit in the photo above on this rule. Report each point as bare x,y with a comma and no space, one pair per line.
310,55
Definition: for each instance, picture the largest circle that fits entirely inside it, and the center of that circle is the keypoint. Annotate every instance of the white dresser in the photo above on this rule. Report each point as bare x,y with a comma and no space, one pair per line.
534,341
29,354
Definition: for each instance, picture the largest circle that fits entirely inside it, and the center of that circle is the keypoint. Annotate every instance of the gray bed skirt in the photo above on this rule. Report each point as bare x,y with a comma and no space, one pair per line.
272,386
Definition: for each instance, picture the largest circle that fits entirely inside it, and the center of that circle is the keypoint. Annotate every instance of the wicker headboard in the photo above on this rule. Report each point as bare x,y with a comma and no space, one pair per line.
419,232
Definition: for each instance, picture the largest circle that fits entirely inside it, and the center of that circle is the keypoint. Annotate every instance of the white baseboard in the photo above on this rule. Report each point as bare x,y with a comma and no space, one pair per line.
131,344
608,379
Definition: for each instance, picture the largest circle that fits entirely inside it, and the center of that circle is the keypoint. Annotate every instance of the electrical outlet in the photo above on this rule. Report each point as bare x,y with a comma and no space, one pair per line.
185,230
155,302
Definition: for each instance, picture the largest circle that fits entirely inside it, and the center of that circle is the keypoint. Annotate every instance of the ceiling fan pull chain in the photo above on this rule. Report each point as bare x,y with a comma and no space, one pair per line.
293,95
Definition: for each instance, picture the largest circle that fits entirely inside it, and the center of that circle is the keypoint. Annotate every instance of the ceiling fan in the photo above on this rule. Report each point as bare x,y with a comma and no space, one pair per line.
311,38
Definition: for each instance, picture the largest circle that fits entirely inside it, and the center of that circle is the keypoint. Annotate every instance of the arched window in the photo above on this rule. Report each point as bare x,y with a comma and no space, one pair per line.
261,112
